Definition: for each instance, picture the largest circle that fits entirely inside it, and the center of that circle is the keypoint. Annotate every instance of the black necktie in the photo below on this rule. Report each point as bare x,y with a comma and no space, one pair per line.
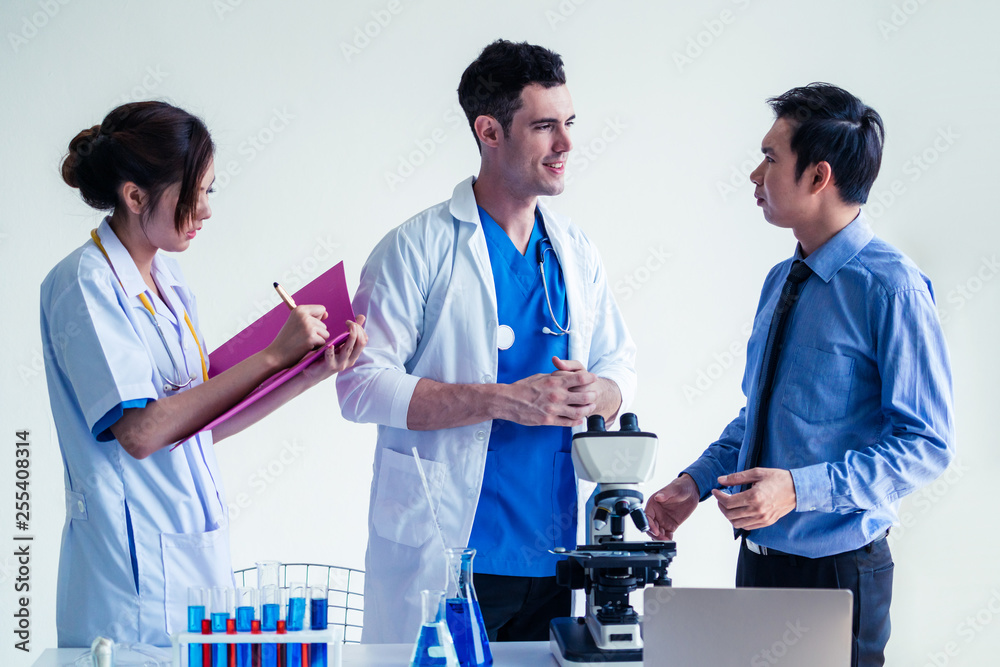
769,364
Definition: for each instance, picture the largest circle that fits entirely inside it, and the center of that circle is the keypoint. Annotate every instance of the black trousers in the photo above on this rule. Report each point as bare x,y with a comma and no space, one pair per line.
518,609
866,572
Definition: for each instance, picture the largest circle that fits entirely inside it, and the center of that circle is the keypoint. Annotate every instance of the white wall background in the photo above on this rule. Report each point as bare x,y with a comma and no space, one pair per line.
309,131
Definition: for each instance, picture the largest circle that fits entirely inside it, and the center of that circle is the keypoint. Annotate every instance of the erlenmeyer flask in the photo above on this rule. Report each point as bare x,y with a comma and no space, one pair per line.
434,647
465,619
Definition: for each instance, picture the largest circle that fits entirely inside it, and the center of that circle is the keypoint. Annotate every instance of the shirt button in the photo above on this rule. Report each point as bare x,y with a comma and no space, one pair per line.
472,493
79,505
480,435
486,379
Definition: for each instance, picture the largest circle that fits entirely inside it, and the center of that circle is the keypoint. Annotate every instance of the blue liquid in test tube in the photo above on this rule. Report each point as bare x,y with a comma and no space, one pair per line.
219,651
244,620
196,613
296,621
317,621
270,614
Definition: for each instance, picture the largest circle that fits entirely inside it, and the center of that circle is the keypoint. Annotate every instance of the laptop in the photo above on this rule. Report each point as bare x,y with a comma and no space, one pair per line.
746,627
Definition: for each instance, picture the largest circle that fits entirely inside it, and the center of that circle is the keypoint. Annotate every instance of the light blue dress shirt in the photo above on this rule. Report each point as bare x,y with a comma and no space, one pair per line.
528,502
861,409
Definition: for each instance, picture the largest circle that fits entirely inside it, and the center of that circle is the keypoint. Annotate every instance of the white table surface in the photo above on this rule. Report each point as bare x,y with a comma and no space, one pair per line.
505,654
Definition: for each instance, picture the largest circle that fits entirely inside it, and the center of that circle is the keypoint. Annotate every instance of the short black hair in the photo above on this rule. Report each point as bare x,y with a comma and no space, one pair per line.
831,125
492,84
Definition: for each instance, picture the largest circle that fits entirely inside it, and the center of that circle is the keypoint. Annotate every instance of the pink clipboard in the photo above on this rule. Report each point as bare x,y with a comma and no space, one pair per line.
329,290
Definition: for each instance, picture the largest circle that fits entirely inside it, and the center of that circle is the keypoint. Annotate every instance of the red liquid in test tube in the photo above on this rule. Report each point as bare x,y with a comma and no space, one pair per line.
206,649
231,648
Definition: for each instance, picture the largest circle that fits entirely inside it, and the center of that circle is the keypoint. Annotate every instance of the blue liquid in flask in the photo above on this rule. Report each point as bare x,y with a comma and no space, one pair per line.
465,620
196,613
431,649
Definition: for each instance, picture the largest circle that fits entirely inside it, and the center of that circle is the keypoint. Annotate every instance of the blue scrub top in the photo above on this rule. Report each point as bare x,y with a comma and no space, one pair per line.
528,500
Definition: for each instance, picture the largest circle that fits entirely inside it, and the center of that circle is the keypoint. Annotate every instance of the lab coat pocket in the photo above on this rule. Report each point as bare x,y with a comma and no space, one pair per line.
192,559
401,513
819,385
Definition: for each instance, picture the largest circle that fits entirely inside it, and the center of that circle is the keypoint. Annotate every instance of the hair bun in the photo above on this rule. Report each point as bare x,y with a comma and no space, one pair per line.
80,148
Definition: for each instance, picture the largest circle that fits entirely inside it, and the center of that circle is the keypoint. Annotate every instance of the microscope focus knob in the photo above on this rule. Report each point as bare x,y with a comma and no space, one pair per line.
639,519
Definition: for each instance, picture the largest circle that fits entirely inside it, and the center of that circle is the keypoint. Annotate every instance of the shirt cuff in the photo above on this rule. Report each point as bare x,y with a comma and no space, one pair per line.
400,395
102,429
704,476
813,488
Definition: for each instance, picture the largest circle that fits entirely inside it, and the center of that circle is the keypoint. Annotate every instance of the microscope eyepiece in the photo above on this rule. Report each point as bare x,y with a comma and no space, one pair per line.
629,422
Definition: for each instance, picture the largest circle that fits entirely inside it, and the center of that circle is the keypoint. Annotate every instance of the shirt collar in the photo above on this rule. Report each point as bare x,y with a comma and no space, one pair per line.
463,207
833,255
126,270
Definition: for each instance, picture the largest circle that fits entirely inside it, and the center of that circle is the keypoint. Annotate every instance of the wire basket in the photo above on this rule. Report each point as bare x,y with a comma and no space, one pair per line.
345,605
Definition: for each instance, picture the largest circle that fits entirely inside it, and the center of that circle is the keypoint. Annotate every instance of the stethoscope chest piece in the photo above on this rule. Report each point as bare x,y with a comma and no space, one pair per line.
505,337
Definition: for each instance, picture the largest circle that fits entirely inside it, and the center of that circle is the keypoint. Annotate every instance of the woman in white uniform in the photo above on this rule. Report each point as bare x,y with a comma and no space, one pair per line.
127,373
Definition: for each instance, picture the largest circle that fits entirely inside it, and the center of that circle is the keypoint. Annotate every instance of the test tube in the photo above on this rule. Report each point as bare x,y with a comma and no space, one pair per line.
206,649
223,602
255,649
282,648
197,599
317,621
246,611
230,648
267,573
273,602
296,620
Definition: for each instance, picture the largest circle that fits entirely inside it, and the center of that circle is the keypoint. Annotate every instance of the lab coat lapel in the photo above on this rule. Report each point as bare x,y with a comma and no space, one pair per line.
470,231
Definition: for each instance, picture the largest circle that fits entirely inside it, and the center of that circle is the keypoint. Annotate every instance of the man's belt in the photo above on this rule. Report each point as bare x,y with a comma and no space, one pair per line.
761,550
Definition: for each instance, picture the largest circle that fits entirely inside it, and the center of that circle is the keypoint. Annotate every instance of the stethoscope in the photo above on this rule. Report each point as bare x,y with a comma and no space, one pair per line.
169,385
546,246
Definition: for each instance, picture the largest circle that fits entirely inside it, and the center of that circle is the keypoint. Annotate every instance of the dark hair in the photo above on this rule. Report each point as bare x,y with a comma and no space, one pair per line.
492,84
151,144
831,125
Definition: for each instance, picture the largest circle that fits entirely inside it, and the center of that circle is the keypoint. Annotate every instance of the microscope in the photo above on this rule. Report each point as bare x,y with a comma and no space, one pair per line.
608,568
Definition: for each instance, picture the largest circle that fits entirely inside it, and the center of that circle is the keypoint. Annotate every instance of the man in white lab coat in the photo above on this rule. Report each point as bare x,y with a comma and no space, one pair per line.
492,332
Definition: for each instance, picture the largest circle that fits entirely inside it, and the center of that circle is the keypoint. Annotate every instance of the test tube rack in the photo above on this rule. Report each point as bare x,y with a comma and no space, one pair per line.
333,637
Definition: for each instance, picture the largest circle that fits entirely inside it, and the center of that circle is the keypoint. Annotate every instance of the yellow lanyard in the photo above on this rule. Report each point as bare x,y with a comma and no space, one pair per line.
148,305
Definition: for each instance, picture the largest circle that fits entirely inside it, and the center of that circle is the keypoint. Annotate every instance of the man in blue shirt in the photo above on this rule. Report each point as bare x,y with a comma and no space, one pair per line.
492,331
856,410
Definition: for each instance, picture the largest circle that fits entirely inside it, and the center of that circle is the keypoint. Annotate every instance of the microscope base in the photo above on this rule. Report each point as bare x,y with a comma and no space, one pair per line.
572,644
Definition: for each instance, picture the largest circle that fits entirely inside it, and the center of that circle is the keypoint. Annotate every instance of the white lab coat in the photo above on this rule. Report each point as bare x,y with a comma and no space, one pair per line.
102,349
428,295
